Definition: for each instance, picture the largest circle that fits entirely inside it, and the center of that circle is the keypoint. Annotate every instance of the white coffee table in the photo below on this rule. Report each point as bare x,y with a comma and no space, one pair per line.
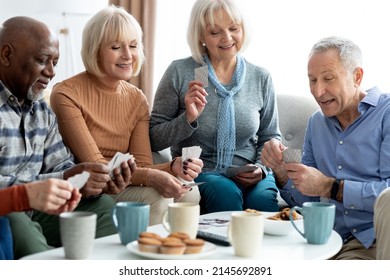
288,247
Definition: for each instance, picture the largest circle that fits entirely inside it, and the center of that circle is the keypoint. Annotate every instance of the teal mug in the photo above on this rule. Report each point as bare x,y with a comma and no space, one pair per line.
130,219
318,221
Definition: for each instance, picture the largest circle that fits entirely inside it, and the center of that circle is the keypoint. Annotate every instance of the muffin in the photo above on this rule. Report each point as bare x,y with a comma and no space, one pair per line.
150,235
193,246
172,247
174,239
147,244
180,235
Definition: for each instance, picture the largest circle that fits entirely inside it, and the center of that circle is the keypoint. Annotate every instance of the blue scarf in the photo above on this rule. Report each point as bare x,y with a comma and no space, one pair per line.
226,125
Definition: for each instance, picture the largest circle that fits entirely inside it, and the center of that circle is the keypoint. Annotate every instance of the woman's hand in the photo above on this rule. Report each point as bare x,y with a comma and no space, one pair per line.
166,184
195,101
249,179
187,170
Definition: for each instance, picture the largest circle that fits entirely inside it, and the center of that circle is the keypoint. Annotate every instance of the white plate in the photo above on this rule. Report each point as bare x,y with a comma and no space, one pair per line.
275,227
207,250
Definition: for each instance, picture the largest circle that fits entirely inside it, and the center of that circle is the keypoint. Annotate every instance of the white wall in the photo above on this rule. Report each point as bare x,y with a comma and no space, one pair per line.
60,15
283,31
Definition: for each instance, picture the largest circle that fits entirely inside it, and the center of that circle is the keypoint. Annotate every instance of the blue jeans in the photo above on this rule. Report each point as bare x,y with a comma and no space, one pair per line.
220,193
6,244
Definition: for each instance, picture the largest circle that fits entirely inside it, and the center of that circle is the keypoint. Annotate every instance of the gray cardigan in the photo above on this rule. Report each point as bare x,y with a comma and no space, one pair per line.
255,114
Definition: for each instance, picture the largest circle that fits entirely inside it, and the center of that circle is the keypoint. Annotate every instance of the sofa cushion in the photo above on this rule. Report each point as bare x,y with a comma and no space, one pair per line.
294,112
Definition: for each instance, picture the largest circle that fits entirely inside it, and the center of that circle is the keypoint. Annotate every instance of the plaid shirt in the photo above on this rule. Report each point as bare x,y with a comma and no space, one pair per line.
31,147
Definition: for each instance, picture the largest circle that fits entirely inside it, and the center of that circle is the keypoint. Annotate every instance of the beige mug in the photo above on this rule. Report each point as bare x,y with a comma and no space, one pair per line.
182,217
245,232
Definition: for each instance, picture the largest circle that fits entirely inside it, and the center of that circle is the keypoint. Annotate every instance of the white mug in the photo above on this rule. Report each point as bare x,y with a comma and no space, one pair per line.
245,232
182,217
77,233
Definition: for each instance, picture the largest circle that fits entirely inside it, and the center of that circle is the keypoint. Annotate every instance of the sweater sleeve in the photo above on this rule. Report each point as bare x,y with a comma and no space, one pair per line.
140,148
14,199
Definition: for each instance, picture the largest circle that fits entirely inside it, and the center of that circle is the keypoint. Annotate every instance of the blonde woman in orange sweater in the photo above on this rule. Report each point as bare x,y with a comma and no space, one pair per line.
100,113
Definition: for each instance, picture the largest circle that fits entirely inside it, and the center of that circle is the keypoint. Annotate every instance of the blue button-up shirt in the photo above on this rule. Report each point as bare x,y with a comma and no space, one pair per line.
359,155
31,147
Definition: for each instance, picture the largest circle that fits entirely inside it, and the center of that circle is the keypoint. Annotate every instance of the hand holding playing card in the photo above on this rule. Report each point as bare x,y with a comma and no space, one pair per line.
292,155
117,160
78,181
236,170
190,170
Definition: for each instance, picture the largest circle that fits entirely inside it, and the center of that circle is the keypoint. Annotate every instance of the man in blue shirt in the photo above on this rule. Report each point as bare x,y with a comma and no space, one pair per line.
346,152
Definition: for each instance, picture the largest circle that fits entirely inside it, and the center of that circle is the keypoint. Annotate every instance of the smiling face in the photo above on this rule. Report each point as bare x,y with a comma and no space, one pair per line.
117,60
335,88
29,69
223,39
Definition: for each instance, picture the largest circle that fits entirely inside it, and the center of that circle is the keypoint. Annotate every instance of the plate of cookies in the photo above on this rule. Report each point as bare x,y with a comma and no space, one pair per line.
176,246
278,223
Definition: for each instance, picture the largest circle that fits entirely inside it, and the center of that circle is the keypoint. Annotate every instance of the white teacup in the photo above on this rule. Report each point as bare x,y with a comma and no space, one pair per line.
245,232
182,217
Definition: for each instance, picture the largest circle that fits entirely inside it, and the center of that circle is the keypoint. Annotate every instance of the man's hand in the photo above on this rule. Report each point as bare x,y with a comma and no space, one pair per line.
272,157
121,177
52,196
309,180
99,176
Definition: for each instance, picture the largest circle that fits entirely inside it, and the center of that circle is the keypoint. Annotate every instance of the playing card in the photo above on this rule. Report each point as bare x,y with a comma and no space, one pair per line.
235,170
292,155
78,181
191,152
202,75
117,160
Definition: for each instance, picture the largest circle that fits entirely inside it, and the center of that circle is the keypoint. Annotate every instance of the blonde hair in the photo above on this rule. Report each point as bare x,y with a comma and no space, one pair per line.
110,24
203,13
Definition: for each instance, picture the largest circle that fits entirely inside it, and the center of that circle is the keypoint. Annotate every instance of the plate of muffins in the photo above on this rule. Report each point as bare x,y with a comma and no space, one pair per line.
176,246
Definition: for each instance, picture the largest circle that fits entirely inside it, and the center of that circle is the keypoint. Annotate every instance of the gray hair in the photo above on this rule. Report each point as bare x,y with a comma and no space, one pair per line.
350,54
110,24
202,14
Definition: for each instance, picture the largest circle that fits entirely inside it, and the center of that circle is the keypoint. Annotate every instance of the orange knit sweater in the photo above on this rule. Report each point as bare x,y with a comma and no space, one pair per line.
96,121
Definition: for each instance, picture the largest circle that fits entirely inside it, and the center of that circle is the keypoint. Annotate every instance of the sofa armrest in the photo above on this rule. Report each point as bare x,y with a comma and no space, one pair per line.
162,156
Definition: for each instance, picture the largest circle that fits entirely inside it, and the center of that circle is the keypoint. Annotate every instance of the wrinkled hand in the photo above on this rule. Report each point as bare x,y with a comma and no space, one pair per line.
195,100
121,177
166,184
272,157
99,176
308,180
52,196
249,179
187,170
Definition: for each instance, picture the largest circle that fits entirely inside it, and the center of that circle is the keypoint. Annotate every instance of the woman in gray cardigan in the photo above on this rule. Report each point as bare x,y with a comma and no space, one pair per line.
229,112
